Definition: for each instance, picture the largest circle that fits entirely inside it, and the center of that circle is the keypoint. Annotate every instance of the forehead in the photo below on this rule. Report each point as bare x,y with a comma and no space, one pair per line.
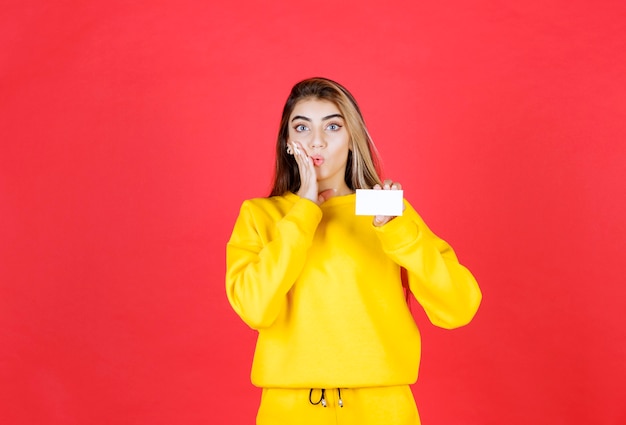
314,108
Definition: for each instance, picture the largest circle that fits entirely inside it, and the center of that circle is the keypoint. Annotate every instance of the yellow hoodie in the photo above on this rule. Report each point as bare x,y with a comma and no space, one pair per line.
323,288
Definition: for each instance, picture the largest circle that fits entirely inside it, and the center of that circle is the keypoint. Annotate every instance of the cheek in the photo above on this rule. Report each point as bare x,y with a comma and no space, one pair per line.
340,140
347,146
342,152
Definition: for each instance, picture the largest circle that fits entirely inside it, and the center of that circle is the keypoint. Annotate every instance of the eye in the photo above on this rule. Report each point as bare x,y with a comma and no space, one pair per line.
300,127
334,127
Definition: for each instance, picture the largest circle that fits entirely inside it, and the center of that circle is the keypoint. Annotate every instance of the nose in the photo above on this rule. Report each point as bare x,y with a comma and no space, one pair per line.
317,141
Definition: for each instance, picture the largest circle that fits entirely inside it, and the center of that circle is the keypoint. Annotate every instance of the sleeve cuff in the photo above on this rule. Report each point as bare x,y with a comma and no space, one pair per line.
399,232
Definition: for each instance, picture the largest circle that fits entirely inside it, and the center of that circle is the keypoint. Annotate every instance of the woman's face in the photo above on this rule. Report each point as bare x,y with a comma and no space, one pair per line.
320,128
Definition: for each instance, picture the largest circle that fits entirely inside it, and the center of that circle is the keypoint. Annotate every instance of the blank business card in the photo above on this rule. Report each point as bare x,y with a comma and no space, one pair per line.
379,202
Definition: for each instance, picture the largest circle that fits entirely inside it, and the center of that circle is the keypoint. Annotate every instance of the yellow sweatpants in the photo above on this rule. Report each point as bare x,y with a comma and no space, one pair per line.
361,406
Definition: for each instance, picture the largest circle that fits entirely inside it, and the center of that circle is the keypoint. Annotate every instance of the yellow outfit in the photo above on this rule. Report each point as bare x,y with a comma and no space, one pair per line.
323,288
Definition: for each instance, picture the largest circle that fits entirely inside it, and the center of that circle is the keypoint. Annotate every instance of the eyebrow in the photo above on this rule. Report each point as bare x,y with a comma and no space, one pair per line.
300,117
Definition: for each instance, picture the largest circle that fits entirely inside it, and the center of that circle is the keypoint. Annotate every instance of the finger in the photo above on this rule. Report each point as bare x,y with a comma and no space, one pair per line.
298,148
396,186
305,161
377,187
326,195
387,184
297,153
380,220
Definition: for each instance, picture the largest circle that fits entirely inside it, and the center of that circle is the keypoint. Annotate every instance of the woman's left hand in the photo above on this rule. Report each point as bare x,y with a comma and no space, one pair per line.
381,220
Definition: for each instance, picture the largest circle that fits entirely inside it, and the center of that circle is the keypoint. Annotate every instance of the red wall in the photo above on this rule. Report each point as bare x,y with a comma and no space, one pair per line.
131,132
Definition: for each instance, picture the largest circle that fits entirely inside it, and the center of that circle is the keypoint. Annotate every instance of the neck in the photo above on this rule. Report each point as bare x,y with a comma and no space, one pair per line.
340,189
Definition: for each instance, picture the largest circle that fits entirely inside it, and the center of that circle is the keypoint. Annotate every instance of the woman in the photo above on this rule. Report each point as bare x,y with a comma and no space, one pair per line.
337,342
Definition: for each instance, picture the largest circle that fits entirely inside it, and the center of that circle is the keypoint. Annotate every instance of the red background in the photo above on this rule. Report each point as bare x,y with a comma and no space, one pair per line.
132,131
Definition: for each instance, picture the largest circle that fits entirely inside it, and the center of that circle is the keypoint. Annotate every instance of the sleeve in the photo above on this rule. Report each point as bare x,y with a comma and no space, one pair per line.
446,290
264,257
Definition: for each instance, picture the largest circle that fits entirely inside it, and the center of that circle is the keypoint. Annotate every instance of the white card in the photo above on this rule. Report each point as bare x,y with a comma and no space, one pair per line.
379,202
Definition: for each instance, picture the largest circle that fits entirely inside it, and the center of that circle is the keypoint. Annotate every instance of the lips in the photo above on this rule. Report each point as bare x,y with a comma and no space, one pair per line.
317,160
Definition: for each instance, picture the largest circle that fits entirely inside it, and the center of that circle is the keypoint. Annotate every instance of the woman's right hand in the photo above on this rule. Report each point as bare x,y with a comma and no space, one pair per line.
308,176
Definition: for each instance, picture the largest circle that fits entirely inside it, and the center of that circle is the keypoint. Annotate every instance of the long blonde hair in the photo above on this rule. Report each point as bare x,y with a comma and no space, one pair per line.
363,167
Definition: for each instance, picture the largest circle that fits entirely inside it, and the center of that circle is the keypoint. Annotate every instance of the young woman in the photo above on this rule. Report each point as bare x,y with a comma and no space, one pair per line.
337,343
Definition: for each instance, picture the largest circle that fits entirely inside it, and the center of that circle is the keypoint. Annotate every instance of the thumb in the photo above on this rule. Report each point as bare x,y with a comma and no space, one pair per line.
326,195
379,220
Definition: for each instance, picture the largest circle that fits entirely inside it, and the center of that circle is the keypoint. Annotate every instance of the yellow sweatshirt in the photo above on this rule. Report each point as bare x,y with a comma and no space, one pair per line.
323,288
